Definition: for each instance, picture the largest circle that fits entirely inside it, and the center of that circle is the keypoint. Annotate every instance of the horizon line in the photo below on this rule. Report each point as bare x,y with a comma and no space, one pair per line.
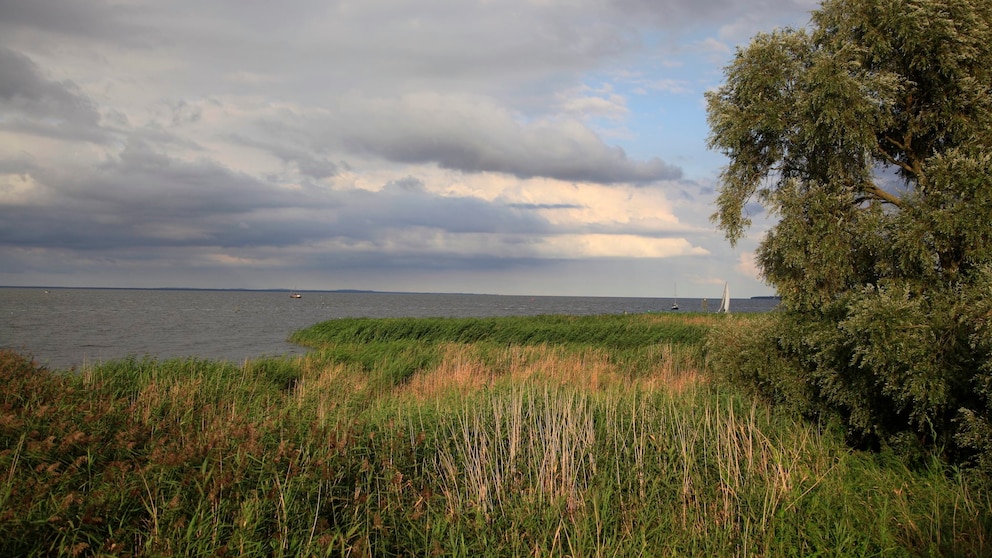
340,291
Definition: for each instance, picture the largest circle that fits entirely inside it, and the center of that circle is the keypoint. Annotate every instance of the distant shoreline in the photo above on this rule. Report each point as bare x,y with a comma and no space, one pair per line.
338,291
214,289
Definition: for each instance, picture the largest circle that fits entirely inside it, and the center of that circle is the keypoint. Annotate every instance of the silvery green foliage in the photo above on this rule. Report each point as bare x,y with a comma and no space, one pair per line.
869,136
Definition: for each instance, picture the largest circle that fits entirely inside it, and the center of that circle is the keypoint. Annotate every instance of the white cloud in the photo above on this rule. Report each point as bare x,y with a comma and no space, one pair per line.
612,106
715,49
616,246
747,266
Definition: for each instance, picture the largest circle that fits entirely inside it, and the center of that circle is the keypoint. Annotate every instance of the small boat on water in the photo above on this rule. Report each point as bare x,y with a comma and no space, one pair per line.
295,295
725,301
675,300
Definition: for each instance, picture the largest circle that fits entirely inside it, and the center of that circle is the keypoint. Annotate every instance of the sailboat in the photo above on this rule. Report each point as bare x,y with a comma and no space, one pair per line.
725,301
675,299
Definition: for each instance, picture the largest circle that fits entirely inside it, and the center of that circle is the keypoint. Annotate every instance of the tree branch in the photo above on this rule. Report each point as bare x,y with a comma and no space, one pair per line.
883,195
904,166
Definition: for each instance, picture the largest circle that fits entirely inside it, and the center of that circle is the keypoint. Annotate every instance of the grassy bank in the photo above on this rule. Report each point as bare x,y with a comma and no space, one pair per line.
513,436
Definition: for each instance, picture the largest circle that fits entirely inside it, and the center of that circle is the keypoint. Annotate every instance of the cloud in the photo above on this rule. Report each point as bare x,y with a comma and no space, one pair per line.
143,197
17,164
138,197
91,19
308,160
474,134
679,13
465,133
32,104
546,206
589,104
616,246
747,266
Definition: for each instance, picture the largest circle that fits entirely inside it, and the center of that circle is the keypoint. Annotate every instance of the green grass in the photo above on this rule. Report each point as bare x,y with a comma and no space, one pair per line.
552,436
613,331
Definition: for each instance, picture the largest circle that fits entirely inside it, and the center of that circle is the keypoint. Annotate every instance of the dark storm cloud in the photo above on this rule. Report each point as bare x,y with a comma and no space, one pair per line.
141,178
473,134
33,104
378,218
404,203
101,20
144,198
460,132
374,263
67,227
673,13
139,198
543,153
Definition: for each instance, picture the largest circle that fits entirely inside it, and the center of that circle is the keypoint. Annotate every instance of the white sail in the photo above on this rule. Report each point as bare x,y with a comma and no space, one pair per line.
725,302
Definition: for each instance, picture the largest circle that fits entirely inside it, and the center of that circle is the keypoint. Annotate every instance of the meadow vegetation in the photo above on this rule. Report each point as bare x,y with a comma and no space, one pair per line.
591,436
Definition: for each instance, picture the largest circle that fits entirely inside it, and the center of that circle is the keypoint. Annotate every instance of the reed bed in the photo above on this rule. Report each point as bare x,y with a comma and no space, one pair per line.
617,331
432,445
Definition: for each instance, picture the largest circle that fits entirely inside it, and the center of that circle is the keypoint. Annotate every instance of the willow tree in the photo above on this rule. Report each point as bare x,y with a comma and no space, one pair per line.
868,138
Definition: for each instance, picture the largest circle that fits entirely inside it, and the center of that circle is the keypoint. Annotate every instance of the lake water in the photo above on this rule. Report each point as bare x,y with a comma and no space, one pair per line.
64,328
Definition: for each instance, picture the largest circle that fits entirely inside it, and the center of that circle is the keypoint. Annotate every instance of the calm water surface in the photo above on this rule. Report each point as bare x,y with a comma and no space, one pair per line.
65,328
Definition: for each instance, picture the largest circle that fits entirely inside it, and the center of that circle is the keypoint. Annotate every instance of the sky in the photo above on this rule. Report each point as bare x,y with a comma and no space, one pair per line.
518,147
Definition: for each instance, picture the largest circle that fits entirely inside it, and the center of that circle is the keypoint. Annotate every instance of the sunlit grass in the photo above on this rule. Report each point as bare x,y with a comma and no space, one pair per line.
416,441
